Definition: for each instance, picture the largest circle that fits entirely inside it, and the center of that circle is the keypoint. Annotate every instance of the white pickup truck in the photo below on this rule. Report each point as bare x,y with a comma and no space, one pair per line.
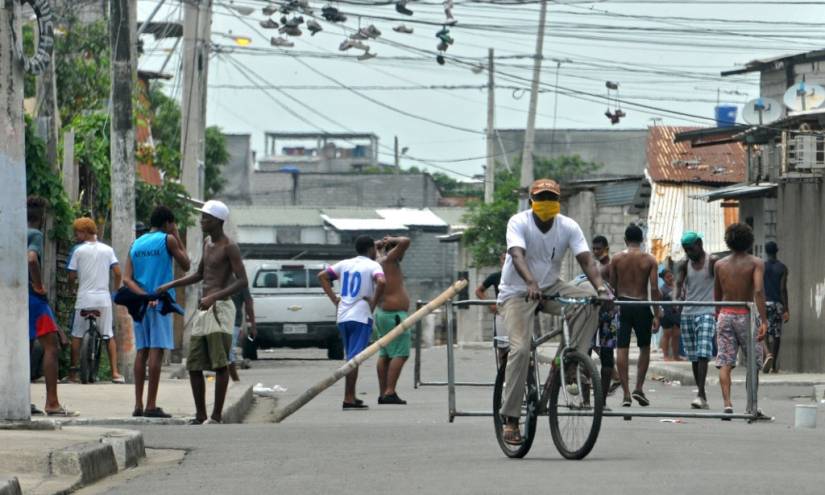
291,309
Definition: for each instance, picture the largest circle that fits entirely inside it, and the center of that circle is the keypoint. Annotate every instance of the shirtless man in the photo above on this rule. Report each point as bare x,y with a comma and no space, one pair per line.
390,312
223,274
632,274
608,321
739,277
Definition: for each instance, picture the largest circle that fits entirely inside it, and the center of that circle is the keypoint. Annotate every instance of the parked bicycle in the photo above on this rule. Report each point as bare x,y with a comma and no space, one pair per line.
574,410
90,347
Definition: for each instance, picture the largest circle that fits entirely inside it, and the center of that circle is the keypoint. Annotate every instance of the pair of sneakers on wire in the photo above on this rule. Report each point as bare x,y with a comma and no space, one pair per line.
332,14
401,7
351,43
445,40
290,26
448,13
269,10
295,5
281,42
401,28
366,33
269,24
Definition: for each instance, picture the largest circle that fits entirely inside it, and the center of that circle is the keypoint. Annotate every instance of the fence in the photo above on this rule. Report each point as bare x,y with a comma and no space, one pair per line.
451,383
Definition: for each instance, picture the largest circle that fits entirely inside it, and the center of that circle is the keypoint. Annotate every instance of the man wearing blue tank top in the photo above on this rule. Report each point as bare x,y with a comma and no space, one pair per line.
149,266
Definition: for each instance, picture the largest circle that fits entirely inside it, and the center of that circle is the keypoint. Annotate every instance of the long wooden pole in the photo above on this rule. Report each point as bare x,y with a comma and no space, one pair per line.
356,361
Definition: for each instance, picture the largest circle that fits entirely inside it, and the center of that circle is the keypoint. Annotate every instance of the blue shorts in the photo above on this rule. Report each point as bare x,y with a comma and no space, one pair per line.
155,331
41,318
356,336
699,336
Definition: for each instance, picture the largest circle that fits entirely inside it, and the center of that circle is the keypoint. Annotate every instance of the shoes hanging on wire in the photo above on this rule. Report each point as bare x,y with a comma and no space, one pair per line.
269,10
332,14
314,27
281,42
401,28
448,13
367,55
269,24
401,7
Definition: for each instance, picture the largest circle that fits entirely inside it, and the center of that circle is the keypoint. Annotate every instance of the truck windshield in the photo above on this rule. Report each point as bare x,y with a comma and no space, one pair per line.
286,278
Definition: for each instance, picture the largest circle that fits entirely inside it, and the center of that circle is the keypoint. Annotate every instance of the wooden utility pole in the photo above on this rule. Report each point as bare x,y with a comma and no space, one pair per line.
123,160
14,345
530,131
490,170
197,26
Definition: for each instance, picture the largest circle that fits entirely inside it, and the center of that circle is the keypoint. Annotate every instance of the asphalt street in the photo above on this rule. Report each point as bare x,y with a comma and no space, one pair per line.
414,449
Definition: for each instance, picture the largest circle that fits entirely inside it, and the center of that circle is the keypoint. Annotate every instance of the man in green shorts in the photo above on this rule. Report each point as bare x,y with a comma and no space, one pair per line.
391,311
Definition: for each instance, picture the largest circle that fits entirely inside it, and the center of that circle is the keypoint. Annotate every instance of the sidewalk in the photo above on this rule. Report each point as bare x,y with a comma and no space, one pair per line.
112,404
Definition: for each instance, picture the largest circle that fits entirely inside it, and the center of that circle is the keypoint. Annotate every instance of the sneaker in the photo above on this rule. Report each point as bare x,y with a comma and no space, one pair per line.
444,36
295,21
366,56
347,406
360,45
627,402
401,7
640,398
699,403
333,15
281,42
373,32
290,31
212,421
440,59
156,413
269,10
361,34
314,27
450,20
345,45
442,47
727,410
766,368
392,399
269,24
403,29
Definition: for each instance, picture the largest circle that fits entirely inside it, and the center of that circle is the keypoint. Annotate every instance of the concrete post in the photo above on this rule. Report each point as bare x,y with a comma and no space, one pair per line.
14,345
197,22
490,170
123,163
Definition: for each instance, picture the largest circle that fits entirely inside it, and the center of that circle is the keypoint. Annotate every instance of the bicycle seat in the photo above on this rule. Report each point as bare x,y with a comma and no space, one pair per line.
85,313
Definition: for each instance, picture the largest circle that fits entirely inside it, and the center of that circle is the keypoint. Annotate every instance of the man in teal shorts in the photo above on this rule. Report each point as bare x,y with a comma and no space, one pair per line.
391,311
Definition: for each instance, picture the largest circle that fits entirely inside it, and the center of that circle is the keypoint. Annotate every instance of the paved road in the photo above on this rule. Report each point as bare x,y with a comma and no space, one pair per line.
413,449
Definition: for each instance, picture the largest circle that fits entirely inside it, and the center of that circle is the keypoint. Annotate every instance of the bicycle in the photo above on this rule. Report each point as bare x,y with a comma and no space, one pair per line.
576,406
90,347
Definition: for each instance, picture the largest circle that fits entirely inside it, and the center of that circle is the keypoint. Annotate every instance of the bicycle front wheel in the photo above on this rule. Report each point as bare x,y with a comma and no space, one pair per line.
527,420
576,407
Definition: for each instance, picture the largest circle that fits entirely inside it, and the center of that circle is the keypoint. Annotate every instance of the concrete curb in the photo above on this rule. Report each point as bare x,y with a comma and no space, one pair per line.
89,462
10,487
818,393
235,412
35,424
127,446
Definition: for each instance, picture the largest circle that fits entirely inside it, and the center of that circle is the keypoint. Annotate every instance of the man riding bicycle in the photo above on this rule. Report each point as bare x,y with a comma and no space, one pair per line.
537,240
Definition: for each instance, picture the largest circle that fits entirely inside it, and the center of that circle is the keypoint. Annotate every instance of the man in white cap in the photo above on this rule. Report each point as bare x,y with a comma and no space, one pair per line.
223,274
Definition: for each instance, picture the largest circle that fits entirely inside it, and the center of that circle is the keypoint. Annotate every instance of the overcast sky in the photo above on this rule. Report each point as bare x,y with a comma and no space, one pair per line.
664,54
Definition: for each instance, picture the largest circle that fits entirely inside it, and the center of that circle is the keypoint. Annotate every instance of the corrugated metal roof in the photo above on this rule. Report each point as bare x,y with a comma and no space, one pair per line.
617,193
358,224
673,211
668,161
419,217
268,216
738,191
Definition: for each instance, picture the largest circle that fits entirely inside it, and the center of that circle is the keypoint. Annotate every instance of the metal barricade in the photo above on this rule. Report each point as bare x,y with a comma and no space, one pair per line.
451,383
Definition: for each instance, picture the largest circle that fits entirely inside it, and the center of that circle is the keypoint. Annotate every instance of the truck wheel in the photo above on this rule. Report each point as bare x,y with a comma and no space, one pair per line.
335,349
249,350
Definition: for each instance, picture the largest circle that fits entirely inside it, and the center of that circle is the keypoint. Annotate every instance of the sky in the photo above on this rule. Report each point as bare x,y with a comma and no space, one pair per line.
666,56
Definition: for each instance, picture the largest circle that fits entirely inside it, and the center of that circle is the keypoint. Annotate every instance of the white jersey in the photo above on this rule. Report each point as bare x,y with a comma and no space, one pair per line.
357,277
92,261
544,251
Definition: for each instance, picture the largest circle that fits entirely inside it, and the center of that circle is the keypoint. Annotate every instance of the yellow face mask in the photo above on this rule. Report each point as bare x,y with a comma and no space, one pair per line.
546,210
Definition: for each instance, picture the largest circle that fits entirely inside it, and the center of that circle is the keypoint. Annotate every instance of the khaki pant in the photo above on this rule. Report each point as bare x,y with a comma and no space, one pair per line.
518,318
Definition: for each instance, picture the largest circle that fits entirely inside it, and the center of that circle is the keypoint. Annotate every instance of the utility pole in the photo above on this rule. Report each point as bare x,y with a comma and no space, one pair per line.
123,159
397,157
530,131
197,26
14,345
490,170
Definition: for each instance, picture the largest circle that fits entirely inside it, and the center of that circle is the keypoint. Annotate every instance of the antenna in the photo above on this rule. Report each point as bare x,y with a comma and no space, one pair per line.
804,96
761,111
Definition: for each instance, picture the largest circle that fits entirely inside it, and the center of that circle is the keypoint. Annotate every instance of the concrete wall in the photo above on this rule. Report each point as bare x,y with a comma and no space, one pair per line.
801,236
760,214
621,152
336,190
236,172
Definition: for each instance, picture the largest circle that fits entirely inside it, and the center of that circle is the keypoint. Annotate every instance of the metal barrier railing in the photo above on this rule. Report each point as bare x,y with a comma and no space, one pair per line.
751,382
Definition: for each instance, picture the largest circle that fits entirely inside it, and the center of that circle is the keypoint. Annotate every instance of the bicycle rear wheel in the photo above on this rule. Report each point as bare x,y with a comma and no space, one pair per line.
576,409
89,357
527,421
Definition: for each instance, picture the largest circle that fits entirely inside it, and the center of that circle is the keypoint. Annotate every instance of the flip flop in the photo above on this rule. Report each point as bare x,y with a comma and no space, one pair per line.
62,412
640,398
727,410
36,412
119,379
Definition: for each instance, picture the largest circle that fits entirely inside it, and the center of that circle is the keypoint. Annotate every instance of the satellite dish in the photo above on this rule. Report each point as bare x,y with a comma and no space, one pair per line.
761,111
804,96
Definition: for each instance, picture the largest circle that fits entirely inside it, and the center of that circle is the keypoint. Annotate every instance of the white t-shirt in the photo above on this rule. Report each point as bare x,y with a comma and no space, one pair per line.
544,251
92,262
357,279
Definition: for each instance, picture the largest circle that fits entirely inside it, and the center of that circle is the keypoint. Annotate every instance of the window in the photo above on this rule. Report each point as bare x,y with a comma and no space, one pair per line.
286,278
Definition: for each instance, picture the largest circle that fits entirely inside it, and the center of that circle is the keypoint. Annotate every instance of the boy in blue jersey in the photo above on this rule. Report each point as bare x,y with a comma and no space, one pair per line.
149,266
362,284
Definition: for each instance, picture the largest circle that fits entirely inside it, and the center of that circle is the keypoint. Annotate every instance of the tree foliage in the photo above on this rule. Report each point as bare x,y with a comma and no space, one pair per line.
42,181
82,68
485,237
